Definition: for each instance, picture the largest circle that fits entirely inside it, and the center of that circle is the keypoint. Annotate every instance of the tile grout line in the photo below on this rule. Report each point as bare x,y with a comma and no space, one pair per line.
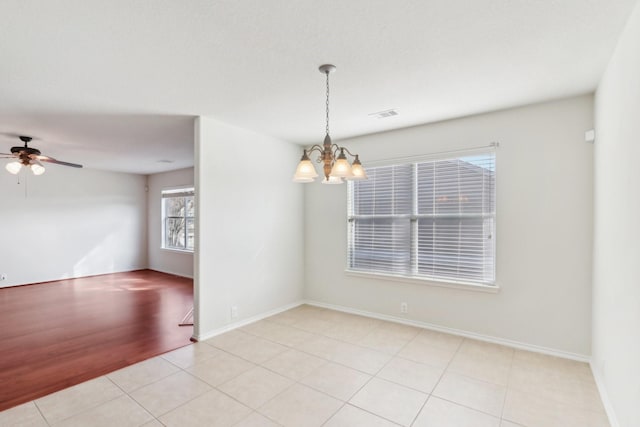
257,409
469,407
148,384
438,382
376,376
157,418
93,406
344,403
215,387
506,391
434,386
309,353
41,414
131,397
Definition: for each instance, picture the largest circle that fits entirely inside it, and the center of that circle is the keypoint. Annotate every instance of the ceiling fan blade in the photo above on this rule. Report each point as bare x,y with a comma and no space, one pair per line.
58,162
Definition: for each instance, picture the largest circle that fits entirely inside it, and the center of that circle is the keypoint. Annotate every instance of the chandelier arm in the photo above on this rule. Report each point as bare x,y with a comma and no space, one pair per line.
314,147
348,152
334,149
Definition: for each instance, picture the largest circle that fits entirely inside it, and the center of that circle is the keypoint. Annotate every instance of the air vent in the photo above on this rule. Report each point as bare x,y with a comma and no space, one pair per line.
384,114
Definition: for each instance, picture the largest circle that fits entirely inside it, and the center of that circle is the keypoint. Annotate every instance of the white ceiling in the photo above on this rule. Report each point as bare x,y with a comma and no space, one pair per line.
142,144
112,84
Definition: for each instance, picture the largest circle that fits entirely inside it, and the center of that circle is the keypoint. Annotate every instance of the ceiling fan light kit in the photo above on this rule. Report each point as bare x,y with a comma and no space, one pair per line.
31,158
336,167
14,167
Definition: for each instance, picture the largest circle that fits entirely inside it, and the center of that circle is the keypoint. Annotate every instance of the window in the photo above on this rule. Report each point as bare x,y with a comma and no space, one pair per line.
178,226
429,220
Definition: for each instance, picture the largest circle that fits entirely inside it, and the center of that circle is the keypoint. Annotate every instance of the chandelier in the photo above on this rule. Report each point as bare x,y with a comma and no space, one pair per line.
333,157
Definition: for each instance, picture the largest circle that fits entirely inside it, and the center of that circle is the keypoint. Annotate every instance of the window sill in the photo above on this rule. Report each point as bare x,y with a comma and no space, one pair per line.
180,251
441,283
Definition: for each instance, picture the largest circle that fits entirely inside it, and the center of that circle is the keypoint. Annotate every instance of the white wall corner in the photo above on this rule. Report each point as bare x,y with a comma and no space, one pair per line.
244,322
604,396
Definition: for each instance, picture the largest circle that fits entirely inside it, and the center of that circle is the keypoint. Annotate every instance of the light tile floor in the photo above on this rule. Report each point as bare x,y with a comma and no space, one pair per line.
315,367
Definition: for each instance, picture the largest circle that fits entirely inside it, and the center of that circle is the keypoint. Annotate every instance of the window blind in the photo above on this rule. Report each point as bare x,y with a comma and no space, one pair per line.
180,192
431,219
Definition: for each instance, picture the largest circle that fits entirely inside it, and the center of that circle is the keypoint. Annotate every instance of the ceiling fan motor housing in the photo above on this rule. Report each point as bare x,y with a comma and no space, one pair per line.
25,154
25,150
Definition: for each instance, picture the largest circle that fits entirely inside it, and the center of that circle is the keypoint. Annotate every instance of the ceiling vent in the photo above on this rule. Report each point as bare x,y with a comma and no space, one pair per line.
384,114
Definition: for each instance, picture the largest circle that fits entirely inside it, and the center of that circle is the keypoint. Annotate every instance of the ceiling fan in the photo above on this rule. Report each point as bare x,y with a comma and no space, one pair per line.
30,158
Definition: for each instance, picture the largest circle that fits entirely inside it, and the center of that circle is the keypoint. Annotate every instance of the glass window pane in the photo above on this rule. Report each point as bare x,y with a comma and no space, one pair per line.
191,233
175,233
190,203
178,221
174,206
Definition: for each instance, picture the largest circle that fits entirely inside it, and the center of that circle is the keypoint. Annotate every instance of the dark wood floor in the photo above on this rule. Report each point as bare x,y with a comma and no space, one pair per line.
58,334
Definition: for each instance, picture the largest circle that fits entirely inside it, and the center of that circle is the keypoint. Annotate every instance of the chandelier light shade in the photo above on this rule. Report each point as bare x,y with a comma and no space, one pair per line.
341,167
305,172
357,170
37,168
14,167
335,165
331,180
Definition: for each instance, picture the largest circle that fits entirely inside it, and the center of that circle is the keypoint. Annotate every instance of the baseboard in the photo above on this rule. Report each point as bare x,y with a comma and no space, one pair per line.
244,322
459,332
71,277
604,396
171,272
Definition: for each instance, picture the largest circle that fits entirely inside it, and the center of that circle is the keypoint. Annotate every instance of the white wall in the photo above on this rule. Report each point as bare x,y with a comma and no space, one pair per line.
616,274
544,229
249,250
73,222
165,260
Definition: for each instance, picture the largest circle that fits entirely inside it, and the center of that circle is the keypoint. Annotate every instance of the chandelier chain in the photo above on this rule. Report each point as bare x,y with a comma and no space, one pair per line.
327,73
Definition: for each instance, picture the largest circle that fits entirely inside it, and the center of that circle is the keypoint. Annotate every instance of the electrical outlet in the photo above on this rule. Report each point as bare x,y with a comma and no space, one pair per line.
234,311
404,308
3,276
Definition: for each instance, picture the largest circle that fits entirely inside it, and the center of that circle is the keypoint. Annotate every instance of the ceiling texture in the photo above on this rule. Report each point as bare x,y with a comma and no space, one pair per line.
115,84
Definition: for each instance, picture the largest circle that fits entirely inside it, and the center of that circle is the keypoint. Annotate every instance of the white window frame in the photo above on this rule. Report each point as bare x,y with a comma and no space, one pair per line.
183,191
492,287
